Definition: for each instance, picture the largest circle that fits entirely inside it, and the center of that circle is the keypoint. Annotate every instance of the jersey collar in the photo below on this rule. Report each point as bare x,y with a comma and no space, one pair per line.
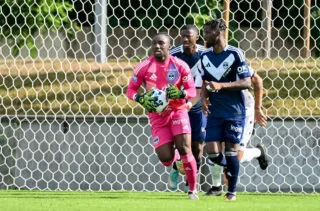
181,48
227,46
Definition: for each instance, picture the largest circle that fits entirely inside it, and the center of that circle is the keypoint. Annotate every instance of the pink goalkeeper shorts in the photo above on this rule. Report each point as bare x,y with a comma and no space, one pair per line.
165,127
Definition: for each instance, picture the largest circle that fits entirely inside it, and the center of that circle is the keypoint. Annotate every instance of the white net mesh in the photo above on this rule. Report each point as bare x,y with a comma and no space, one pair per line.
67,125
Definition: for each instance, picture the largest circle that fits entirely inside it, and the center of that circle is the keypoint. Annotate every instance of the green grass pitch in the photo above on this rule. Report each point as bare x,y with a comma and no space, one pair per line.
151,201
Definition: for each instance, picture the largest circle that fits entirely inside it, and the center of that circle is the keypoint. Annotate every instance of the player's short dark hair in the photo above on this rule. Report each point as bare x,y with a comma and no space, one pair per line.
216,24
165,34
190,27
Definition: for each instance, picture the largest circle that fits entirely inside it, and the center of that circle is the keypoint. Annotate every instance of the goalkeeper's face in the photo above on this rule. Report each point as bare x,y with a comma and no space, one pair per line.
160,47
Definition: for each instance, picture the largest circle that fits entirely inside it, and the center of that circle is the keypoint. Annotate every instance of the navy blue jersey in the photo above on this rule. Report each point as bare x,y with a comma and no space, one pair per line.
227,66
192,62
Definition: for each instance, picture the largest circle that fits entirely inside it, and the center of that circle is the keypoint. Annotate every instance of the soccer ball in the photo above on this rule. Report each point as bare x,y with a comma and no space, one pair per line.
161,101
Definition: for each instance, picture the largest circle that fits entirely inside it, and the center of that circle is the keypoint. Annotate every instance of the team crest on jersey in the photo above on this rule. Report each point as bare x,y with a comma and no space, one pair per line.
134,78
225,65
156,140
173,74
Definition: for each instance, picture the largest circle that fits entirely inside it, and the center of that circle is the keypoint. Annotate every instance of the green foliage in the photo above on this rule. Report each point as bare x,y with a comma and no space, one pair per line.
20,20
212,9
157,14
234,33
315,28
204,11
146,14
199,19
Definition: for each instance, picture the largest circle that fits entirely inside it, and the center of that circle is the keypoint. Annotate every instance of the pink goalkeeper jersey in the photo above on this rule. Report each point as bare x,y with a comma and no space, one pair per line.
159,75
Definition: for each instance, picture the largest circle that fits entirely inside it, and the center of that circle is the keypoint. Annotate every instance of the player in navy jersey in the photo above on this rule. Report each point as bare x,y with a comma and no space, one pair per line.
245,154
225,74
190,52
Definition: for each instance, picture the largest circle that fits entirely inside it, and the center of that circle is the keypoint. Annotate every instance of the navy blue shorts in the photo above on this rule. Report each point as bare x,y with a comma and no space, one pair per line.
198,126
225,130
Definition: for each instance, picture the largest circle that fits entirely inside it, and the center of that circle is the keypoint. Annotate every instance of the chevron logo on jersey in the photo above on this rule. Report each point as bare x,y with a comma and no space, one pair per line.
218,72
156,140
134,78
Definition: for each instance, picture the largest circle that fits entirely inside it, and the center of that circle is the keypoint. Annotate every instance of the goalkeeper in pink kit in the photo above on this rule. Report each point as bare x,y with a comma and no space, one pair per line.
170,128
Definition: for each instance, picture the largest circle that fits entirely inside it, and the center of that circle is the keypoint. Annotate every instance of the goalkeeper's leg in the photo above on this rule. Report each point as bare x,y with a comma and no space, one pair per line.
174,173
163,141
198,123
183,144
180,128
167,155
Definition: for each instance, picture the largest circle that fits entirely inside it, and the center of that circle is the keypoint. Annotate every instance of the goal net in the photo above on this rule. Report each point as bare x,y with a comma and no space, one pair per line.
65,123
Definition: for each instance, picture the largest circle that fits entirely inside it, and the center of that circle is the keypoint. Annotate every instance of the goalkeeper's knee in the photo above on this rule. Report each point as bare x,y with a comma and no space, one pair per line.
174,158
168,163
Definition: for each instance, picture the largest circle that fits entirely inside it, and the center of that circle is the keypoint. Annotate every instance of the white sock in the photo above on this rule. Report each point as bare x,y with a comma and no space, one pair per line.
215,171
249,154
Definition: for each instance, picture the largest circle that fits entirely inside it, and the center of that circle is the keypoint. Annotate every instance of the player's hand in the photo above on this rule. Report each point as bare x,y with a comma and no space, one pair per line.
205,106
212,86
189,105
174,93
146,100
260,118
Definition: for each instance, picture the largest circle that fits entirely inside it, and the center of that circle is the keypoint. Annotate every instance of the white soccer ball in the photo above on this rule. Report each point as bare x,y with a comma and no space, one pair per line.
161,101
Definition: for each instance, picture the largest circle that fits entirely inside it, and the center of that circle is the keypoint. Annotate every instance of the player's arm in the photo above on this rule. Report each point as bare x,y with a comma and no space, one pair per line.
257,85
204,100
135,82
204,94
198,84
188,82
197,97
244,83
191,102
243,74
132,92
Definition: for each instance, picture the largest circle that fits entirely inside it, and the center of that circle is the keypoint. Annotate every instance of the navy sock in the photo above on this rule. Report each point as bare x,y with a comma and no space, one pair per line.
218,158
232,170
199,163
